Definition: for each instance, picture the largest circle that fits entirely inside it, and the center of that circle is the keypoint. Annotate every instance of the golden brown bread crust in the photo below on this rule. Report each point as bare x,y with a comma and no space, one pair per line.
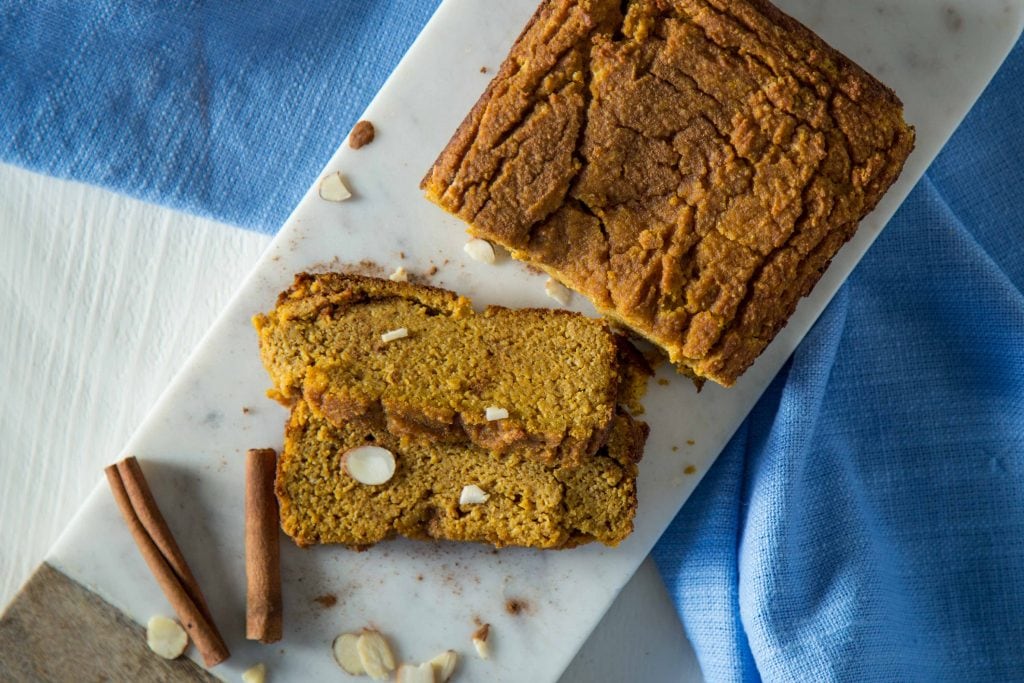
691,166
530,504
560,375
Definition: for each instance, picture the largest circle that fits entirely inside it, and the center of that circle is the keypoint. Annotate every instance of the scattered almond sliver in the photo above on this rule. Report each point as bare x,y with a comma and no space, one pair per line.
473,495
412,673
346,654
481,641
371,465
493,413
333,188
480,250
400,333
166,637
444,665
400,275
256,674
375,655
557,291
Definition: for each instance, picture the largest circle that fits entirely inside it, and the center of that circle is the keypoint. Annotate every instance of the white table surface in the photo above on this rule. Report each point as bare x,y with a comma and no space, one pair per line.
102,298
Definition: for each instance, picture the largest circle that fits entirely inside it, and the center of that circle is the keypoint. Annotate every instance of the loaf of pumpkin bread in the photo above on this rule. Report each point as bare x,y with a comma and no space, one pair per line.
691,166
420,364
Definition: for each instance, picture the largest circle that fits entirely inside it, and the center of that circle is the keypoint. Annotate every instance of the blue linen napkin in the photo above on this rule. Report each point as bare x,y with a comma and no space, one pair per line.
865,523
222,108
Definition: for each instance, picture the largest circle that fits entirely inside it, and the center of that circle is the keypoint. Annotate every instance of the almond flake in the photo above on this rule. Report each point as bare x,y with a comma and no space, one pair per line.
444,665
333,188
166,637
411,673
494,413
400,275
400,333
480,250
371,465
557,291
473,495
256,674
346,654
481,641
375,655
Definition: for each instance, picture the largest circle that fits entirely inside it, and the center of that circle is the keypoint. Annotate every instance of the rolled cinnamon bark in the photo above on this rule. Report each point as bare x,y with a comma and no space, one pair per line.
264,616
165,560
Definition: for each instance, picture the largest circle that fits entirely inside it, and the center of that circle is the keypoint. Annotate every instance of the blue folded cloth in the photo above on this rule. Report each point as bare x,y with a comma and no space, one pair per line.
225,109
866,523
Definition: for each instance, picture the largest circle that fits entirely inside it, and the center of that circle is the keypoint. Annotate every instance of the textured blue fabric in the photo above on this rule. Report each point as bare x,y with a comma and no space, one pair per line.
865,523
223,108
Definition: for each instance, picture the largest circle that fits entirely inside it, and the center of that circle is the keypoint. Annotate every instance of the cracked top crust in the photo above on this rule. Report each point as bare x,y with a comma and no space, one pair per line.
691,166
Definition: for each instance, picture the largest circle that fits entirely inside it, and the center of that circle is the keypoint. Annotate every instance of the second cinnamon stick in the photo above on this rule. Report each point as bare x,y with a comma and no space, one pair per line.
164,558
263,616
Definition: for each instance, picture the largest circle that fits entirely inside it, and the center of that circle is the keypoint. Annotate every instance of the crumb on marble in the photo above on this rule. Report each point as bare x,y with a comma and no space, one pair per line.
362,134
326,600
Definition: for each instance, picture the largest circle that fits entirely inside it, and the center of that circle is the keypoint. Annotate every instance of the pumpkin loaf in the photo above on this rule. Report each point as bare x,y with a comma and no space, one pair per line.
559,375
527,503
691,166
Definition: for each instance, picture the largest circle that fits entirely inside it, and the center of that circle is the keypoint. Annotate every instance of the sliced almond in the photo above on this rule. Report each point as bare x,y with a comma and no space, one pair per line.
481,641
371,465
400,275
473,495
333,188
375,654
493,413
411,673
346,654
480,250
444,665
256,674
400,333
166,637
557,291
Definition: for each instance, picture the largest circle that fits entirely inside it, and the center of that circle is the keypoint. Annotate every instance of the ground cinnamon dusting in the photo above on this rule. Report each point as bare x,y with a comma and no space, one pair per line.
326,600
515,606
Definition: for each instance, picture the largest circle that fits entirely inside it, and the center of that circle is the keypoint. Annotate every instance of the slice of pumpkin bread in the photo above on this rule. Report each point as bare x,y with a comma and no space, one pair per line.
447,374
520,502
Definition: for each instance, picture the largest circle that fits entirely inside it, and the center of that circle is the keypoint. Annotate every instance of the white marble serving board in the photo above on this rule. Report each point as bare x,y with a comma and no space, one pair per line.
936,55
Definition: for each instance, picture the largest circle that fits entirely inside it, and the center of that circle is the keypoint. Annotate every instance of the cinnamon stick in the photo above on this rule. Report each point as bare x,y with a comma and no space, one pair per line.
263,615
164,558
